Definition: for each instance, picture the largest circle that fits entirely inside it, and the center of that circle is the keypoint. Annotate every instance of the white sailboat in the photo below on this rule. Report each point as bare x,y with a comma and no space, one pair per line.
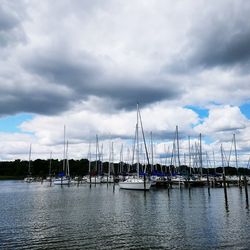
64,179
108,178
94,179
135,182
29,178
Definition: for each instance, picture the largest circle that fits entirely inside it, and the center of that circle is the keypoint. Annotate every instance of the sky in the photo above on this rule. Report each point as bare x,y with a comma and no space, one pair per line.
86,64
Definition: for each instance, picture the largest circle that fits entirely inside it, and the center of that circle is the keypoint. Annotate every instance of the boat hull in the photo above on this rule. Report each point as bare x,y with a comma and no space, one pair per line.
135,185
62,182
94,180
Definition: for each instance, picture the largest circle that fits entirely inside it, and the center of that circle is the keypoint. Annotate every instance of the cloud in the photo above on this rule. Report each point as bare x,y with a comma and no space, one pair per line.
223,120
11,31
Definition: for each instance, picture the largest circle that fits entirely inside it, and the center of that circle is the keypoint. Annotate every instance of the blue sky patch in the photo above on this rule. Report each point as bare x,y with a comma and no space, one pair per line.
12,123
245,109
203,113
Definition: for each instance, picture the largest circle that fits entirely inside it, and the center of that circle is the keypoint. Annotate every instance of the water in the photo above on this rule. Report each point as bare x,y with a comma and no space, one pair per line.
37,216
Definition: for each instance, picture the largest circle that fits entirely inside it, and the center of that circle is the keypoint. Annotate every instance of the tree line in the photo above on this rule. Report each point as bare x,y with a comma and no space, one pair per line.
18,169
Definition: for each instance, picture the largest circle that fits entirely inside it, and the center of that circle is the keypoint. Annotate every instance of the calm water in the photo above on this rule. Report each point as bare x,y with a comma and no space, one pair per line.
37,216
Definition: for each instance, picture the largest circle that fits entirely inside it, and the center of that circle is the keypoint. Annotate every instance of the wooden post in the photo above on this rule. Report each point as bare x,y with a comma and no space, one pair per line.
225,191
240,186
144,179
90,180
246,191
208,185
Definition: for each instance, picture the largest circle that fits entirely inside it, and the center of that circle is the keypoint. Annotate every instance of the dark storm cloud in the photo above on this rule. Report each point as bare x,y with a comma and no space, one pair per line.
11,14
128,92
63,68
33,101
85,77
7,20
219,37
223,47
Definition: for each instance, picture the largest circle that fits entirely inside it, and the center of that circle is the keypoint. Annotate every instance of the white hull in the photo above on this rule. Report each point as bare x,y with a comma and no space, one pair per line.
135,184
62,181
94,180
29,179
109,179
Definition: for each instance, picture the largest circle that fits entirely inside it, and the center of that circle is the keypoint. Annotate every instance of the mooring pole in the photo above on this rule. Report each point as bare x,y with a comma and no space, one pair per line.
208,185
225,191
246,191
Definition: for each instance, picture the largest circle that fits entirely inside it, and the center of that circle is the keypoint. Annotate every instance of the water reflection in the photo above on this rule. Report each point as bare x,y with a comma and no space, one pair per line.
38,216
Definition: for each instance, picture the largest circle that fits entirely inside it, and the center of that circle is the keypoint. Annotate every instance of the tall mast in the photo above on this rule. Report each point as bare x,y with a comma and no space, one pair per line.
96,153
200,155
152,152
137,141
101,158
189,155
112,158
214,162
121,160
50,163
110,150
235,151
89,157
67,160
64,152
30,160
143,135
178,147
222,159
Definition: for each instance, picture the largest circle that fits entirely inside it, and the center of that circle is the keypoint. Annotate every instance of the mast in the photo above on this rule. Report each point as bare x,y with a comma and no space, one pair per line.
222,159
50,164
143,135
189,155
137,142
89,158
121,160
200,156
214,162
64,152
29,173
67,160
96,154
152,153
178,147
101,158
112,159
235,152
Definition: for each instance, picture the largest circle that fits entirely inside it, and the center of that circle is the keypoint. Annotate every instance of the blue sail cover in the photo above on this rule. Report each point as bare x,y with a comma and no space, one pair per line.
61,174
157,173
142,173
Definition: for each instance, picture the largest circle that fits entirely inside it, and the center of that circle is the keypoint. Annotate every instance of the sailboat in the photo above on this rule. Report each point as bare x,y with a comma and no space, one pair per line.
64,179
29,178
135,182
108,178
96,179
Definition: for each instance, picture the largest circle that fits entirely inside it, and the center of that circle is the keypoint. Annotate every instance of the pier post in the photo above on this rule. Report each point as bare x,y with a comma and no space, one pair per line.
246,191
240,186
144,179
208,185
225,191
